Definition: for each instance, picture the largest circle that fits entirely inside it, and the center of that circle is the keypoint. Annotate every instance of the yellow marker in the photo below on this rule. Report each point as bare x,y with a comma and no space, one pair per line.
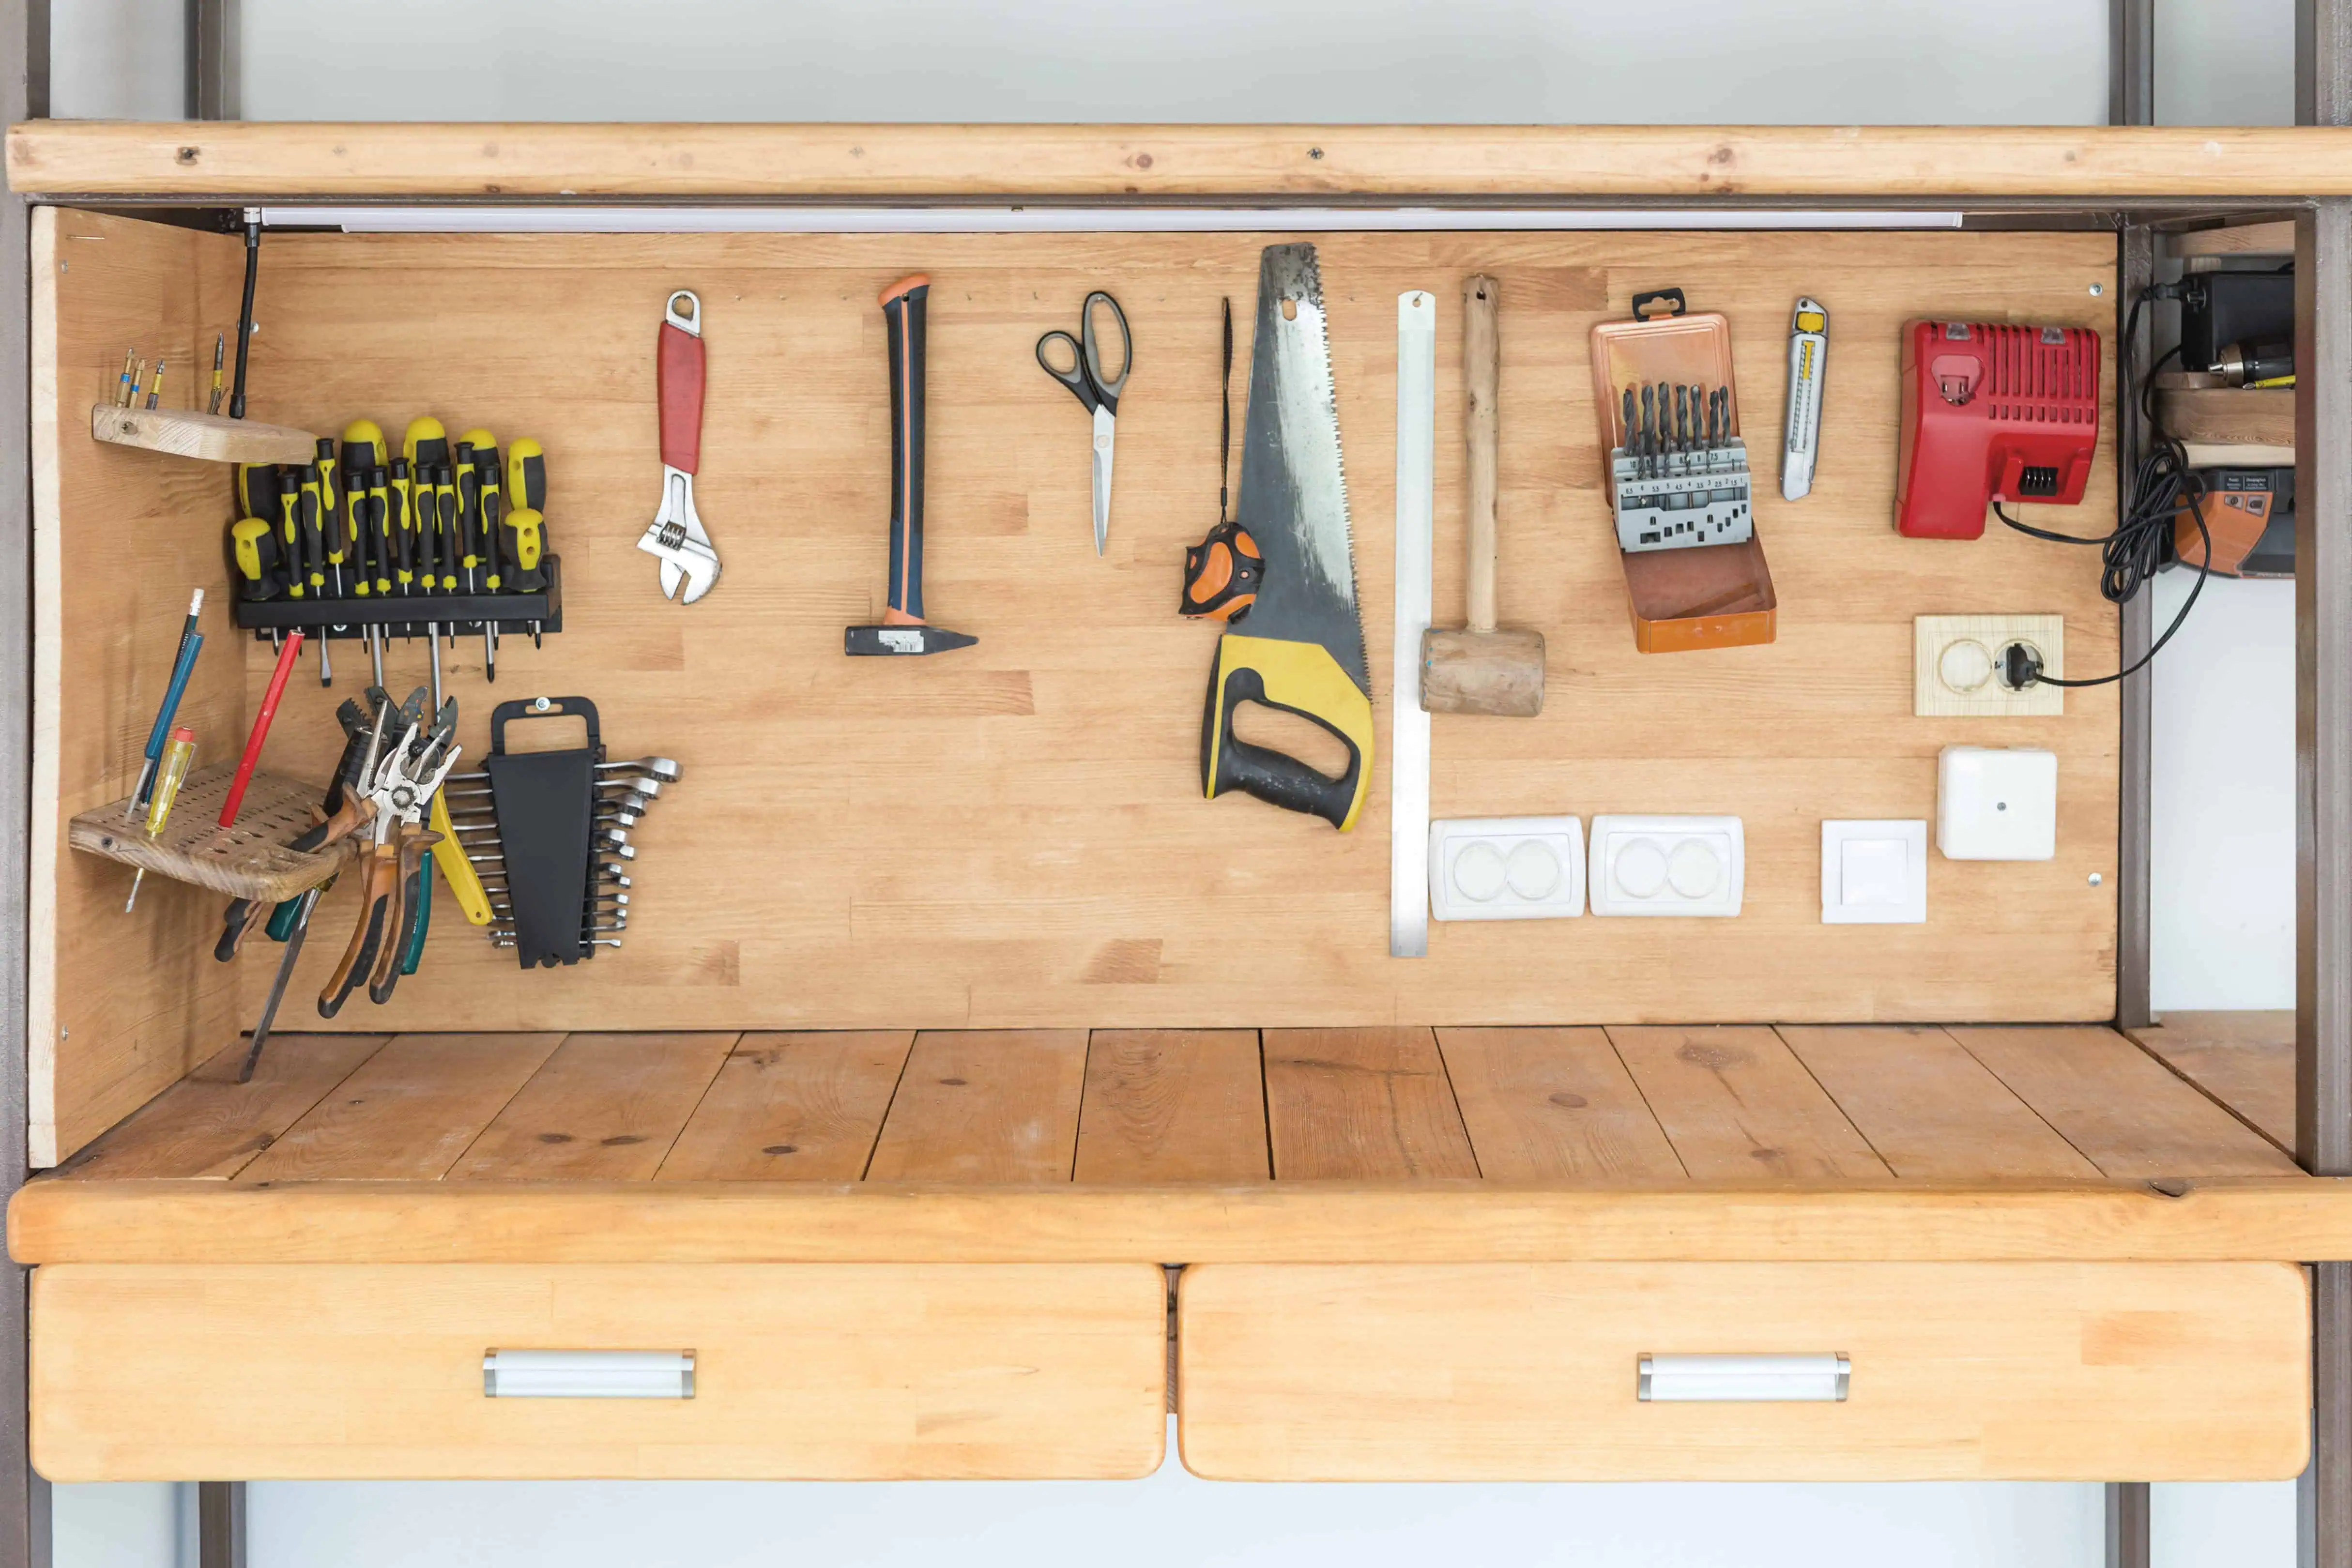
178,753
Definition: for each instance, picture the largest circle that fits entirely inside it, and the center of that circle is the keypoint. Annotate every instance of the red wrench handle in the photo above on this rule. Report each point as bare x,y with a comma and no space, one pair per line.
677,374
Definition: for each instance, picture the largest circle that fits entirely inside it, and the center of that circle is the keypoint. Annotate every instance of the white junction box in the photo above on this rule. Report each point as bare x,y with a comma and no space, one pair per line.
1667,865
1873,873
1956,665
1507,868
1995,804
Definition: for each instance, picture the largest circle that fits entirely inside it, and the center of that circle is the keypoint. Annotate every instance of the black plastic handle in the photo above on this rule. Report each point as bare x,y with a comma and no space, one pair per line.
545,708
904,310
1651,297
1273,776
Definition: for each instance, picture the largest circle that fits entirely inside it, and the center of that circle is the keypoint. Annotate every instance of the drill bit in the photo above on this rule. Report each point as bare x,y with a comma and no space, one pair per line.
220,355
155,392
126,385
1649,429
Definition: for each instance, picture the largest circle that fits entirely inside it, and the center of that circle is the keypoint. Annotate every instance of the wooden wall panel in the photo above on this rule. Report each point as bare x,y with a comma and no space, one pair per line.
1012,835
122,1005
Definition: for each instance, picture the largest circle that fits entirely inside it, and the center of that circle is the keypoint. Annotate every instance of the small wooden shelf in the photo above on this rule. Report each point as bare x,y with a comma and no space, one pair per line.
2235,416
209,436
249,859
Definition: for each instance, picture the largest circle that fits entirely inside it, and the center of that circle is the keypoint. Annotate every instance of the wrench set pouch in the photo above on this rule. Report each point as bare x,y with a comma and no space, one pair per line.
552,841
1681,492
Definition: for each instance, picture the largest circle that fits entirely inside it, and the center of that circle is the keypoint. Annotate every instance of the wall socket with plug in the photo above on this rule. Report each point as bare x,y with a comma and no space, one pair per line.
1957,664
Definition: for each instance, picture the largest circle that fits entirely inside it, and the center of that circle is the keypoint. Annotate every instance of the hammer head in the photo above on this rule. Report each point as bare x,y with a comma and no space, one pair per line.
902,640
1499,672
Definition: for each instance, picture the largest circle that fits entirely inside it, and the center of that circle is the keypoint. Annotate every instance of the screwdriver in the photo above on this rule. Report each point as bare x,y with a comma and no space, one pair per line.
487,497
177,756
526,491
308,499
220,357
412,520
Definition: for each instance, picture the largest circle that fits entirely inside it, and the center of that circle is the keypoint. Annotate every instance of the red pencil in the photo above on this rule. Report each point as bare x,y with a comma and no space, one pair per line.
260,727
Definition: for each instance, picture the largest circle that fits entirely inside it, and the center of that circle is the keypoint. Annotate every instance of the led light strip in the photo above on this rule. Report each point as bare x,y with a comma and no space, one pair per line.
516,219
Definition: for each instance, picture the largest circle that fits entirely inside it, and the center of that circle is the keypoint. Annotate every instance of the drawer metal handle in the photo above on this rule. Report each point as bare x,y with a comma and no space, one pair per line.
588,1375
1743,1379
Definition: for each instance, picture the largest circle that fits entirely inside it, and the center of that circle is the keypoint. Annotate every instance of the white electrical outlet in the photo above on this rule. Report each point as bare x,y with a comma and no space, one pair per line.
1507,868
1956,665
1667,865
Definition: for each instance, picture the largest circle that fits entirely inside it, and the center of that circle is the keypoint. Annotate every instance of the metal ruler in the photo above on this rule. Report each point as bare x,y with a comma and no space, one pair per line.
1416,491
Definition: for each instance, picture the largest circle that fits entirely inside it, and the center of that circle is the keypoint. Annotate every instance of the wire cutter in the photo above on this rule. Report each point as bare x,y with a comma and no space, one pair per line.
1091,383
401,791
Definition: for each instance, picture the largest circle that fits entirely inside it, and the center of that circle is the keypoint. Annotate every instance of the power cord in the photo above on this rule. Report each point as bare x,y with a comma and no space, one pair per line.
2129,555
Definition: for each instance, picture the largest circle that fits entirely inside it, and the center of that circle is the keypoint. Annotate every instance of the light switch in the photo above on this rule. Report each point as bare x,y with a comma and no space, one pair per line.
1506,868
1874,872
1997,804
1666,865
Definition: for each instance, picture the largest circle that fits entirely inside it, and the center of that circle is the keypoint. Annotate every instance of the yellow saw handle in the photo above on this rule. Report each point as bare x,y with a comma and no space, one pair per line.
455,869
1297,677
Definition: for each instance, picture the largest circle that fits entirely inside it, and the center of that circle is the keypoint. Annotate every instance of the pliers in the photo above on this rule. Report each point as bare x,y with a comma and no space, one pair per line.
401,792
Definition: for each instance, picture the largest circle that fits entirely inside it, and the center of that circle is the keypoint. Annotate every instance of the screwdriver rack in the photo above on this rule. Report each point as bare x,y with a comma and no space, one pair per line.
408,615
248,859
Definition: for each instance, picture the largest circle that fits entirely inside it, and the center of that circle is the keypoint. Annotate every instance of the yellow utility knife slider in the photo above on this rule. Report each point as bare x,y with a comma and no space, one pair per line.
1304,653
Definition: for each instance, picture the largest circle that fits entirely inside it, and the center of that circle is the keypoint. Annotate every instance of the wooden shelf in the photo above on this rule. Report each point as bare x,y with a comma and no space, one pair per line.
1123,162
1739,1143
211,437
2235,416
249,859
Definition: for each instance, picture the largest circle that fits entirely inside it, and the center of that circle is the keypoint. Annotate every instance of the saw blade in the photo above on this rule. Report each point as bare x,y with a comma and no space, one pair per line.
1293,489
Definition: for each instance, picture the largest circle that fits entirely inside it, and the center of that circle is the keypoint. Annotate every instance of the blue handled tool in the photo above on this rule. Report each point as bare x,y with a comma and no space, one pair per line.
190,642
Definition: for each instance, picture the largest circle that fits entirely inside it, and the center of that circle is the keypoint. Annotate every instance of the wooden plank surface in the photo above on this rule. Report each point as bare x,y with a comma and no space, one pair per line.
840,1372
1014,837
2244,1059
409,1111
985,1106
2119,1105
1553,1104
1737,1105
1961,1372
605,1107
1120,161
212,438
2276,238
1170,1105
792,1107
2250,1218
122,1006
1930,1110
209,1124
2235,416
1362,1104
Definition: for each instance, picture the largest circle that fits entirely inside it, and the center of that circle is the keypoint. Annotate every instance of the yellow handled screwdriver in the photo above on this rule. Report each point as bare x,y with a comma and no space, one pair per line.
178,754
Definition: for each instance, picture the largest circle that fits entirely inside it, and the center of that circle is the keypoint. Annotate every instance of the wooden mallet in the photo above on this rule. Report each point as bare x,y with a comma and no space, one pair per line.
1481,669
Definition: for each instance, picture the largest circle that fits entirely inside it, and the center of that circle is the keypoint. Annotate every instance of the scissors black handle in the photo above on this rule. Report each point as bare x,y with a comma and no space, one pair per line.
1085,378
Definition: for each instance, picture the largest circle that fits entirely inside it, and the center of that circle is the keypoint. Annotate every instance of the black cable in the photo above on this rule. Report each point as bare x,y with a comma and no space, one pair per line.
2163,484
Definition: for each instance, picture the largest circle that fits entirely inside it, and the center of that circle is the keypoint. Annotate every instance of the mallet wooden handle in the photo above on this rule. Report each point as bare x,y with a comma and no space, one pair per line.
1481,376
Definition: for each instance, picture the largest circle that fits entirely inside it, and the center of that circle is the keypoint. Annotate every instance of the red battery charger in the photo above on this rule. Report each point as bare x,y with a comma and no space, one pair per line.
1992,413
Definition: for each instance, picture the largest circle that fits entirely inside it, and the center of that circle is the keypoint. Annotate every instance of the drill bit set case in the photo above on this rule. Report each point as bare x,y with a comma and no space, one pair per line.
973,1094
1676,469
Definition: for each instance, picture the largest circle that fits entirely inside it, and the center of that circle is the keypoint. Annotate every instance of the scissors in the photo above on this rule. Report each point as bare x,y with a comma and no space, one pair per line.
1089,383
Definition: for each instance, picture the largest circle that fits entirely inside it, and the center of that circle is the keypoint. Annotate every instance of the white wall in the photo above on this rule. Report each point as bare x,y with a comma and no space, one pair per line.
2224,691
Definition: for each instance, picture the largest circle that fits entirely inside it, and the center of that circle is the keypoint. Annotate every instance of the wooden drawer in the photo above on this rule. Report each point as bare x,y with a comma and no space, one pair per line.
1960,1371
836,1371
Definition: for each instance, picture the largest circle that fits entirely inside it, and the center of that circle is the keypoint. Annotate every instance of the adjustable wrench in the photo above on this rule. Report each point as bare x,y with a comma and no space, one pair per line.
676,538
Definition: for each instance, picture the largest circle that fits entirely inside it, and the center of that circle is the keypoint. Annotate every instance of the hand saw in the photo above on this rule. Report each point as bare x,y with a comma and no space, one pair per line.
1304,653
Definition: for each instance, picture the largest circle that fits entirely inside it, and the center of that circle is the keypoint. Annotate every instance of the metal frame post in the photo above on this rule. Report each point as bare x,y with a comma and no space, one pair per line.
24,94
2322,754
2131,100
